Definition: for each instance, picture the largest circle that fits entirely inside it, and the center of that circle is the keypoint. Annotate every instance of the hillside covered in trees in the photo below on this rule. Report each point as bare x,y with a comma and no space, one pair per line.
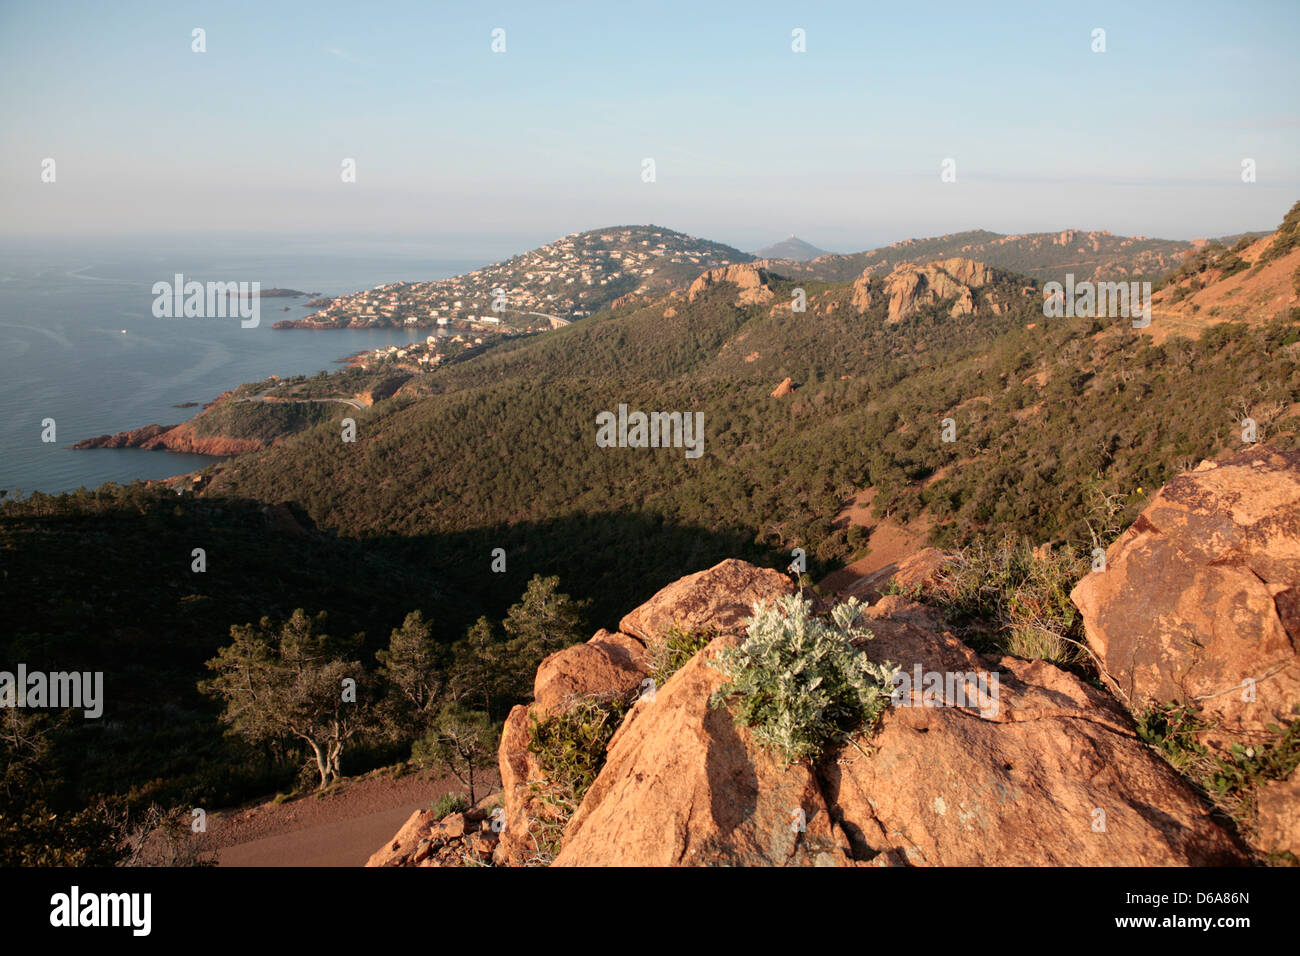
480,489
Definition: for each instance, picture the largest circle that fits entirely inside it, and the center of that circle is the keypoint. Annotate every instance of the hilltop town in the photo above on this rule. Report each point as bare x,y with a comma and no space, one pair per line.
541,289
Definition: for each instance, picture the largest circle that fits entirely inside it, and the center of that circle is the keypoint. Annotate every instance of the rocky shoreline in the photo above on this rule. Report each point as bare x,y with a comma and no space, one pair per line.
178,438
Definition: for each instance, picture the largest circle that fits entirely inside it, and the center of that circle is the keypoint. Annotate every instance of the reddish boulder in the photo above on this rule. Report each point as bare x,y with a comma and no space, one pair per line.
1277,827
1200,598
608,663
751,280
1030,766
426,841
683,786
721,598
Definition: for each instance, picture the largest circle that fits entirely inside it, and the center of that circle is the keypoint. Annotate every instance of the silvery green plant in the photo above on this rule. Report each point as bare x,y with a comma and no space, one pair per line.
797,679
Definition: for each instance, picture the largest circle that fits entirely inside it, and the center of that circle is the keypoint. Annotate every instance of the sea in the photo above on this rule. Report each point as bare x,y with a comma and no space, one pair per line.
79,343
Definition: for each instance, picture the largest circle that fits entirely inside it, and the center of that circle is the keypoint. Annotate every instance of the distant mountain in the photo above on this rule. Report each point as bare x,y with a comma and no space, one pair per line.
566,279
793,249
1039,255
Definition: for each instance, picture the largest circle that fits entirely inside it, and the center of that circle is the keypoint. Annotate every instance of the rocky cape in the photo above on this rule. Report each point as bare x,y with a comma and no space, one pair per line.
177,438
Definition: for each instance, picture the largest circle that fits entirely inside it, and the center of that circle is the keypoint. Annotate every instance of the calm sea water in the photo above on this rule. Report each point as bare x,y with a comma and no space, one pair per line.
79,343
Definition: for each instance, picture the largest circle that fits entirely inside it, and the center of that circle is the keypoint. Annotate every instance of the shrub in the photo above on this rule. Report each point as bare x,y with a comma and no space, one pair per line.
450,803
1228,782
570,745
1008,597
671,654
1248,767
1171,729
799,682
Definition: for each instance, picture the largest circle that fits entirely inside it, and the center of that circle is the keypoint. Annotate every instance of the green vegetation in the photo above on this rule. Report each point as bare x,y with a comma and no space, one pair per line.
69,783
448,804
265,421
1228,783
570,745
1055,412
461,742
1171,729
1010,598
670,655
32,832
295,683
799,682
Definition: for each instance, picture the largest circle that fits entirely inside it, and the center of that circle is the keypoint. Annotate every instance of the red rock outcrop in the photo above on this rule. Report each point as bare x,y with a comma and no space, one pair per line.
179,438
1041,770
519,769
1046,771
1200,598
683,786
911,287
1035,767
784,389
750,278
720,598
606,664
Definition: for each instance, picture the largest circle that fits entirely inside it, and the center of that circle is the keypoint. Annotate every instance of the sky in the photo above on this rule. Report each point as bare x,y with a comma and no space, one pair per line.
478,153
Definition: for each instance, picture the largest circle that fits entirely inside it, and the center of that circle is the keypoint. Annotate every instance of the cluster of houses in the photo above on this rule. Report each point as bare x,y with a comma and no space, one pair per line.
427,355
542,289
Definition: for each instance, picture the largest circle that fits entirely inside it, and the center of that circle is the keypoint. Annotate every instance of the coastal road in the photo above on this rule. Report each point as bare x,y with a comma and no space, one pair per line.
263,397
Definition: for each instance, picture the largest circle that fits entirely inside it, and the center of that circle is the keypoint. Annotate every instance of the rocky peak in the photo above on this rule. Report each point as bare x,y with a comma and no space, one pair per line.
1018,784
751,278
911,287
1047,769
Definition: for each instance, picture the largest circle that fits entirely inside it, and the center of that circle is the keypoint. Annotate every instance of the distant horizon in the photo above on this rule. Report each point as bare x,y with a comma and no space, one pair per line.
472,247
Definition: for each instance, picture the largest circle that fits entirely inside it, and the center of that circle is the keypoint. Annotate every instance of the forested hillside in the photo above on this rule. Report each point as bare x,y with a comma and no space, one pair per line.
992,422
1040,255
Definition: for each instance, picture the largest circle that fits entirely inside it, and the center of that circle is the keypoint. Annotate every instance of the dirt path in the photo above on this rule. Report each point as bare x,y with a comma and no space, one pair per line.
888,541
341,828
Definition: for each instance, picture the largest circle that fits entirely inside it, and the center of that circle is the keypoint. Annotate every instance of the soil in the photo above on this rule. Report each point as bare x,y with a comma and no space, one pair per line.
342,827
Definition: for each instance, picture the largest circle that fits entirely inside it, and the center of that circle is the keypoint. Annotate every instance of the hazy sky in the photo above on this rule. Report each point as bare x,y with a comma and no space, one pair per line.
484,152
